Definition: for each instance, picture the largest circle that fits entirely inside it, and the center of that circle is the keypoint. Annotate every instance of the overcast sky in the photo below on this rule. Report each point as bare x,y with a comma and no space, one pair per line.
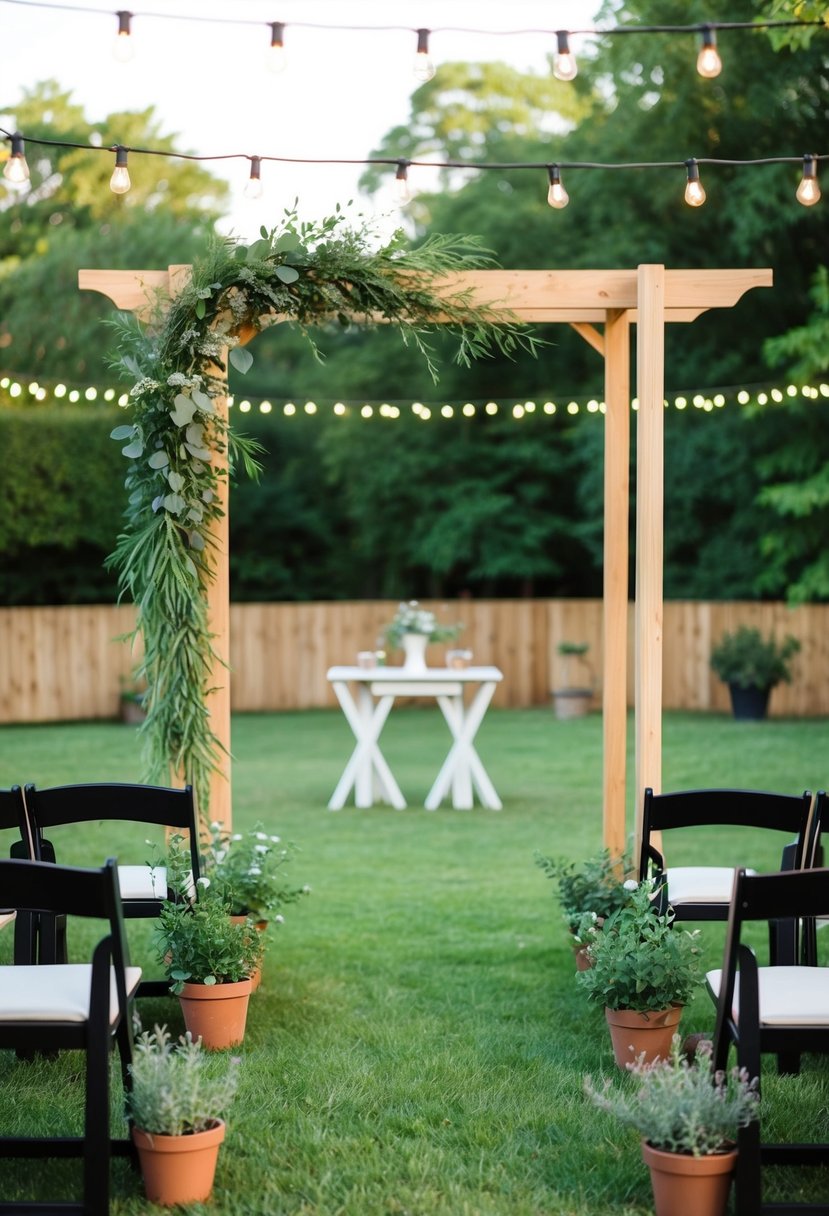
339,93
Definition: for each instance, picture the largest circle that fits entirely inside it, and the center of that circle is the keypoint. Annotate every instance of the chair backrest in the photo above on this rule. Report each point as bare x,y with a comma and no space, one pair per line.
818,823
45,888
787,895
151,804
728,807
14,817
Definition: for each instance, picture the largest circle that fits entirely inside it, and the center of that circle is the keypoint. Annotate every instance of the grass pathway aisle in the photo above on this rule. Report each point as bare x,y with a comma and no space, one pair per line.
418,1043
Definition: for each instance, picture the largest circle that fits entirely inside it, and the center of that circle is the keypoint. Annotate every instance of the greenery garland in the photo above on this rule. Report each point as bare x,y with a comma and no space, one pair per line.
304,273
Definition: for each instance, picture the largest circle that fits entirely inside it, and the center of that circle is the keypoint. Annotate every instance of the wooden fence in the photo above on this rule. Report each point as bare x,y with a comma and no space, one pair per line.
60,664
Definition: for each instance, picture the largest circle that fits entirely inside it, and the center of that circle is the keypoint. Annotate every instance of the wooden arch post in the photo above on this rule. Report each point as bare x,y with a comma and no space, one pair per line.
649,297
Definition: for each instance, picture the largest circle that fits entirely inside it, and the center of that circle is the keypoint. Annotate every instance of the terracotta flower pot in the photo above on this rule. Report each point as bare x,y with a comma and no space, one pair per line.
689,1186
179,1169
217,1012
633,1033
261,925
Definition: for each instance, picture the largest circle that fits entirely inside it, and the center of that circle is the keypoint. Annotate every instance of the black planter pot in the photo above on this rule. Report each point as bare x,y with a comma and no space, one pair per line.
749,704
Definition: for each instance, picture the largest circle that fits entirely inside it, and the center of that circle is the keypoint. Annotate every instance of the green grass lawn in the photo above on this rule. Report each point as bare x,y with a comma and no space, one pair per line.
418,1043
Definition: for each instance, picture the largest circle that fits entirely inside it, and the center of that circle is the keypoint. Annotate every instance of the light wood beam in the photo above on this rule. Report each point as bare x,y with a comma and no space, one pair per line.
616,557
650,361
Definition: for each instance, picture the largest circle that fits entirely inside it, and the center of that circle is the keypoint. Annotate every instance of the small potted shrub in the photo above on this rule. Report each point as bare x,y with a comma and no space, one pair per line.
572,699
752,666
209,960
588,892
643,971
247,872
131,701
688,1118
175,1106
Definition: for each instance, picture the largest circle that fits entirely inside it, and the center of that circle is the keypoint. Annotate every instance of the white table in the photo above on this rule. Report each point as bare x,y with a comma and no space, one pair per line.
367,771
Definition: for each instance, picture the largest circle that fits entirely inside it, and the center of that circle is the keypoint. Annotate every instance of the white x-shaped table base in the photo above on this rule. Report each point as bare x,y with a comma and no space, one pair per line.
367,770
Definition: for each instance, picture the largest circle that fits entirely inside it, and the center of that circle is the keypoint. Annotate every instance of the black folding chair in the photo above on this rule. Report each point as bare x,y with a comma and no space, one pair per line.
703,893
14,819
80,1006
143,888
780,1009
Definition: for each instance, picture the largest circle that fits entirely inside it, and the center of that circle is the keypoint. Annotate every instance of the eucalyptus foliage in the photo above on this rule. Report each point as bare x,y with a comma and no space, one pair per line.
176,436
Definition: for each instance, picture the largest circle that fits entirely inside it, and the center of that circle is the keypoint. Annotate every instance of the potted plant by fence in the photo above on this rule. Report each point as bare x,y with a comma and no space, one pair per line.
209,960
176,1104
643,971
131,701
572,699
688,1118
247,872
752,666
413,628
588,892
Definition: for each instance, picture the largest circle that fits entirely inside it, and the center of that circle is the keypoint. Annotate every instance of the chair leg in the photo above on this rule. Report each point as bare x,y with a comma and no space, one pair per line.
748,1190
788,1063
97,1148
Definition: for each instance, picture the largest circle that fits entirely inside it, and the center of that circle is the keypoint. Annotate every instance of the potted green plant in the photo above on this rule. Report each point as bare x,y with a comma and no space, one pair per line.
643,971
131,701
752,666
688,1117
209,960
572,699
175,1106
247,872
588,892
413,628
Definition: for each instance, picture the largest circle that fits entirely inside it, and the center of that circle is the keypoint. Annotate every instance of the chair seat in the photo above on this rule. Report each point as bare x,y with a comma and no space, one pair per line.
700,884
56,993
142,882
789,996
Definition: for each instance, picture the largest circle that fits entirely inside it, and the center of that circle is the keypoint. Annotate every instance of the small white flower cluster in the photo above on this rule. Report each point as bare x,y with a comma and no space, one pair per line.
411,618
145,385
179,380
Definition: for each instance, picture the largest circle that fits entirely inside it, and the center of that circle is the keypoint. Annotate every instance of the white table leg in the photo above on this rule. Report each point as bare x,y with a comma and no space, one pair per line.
366,721
462,767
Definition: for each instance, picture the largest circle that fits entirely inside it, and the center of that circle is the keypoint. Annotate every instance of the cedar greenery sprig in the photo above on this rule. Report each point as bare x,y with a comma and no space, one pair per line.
303,273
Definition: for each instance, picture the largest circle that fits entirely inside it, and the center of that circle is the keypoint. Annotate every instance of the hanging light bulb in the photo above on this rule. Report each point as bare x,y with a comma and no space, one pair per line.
401,184
120,182
808,192
254,188
123,48
557,196
15,170
276,60
694,192
564,63
709,63
424,68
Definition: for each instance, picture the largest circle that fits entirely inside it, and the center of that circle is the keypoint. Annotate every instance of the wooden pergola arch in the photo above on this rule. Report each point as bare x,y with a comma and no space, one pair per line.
649,297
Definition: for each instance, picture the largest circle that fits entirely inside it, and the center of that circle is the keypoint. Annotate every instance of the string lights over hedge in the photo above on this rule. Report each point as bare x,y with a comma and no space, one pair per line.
23,390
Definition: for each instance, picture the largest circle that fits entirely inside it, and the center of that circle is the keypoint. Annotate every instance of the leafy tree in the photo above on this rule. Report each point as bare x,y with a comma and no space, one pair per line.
69,219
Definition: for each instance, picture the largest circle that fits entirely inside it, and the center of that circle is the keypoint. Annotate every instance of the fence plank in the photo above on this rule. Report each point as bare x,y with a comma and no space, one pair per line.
63,664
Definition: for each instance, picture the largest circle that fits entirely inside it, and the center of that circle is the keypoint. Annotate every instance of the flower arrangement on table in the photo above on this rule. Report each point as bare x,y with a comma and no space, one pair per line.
412,618
247,872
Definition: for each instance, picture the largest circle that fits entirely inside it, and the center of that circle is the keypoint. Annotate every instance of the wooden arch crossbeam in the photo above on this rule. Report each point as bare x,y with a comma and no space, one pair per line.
649,297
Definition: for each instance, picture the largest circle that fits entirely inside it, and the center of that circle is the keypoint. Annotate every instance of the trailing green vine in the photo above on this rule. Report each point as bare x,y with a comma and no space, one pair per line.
303,273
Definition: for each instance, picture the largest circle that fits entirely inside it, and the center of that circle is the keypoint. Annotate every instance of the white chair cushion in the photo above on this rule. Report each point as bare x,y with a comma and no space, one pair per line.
6,917
142,882
700,884
58,993
789,996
